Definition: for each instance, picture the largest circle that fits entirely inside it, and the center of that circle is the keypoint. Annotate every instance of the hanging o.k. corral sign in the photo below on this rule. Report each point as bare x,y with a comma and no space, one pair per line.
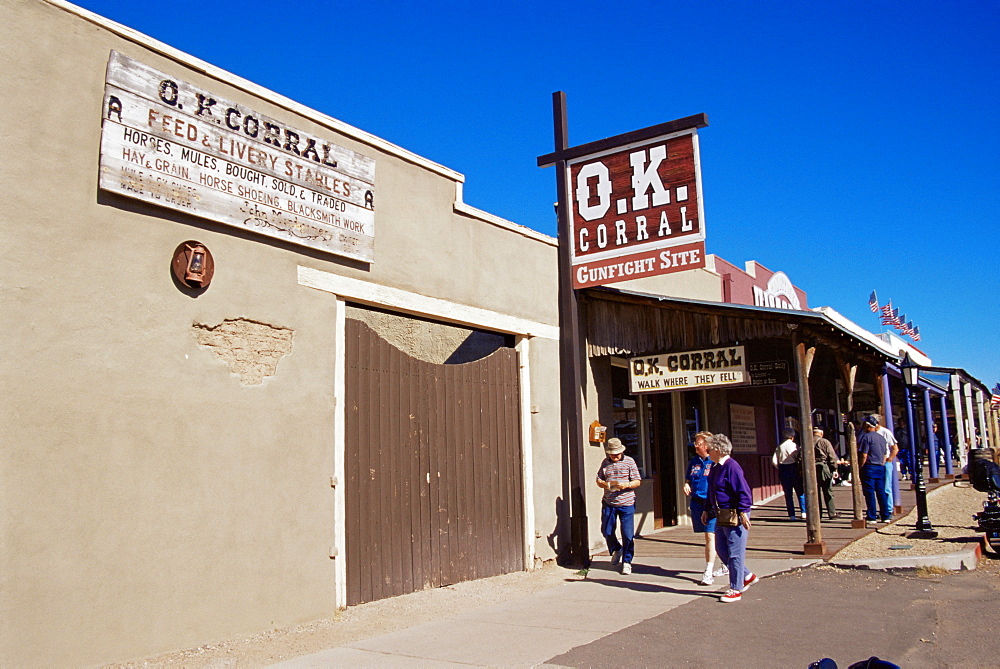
636,204
708,368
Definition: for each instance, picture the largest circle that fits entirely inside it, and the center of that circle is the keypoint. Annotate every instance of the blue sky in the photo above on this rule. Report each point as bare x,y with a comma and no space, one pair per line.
852,145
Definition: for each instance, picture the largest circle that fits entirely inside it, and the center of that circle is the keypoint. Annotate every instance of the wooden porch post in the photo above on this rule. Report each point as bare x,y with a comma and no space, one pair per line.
850,373
814,534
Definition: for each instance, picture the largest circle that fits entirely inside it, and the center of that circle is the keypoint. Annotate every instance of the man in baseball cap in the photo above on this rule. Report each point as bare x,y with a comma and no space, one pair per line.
618,476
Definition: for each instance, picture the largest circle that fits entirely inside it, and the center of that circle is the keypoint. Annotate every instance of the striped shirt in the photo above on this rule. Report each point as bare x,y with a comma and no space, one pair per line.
622,471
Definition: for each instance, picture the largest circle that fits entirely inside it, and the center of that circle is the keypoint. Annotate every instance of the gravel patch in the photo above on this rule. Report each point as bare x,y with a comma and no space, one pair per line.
950,509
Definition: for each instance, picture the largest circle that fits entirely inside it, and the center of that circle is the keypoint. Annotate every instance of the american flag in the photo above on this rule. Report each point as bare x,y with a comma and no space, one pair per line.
900,323
873,303
916,334
995,399
887,317
908,328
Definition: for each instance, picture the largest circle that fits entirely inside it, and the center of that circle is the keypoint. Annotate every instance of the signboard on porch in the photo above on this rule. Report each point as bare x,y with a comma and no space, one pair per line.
706,368
177,146
743,428
768,373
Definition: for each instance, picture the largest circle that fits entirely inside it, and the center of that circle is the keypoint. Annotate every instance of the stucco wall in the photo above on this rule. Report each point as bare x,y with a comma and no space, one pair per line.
161,489
702,284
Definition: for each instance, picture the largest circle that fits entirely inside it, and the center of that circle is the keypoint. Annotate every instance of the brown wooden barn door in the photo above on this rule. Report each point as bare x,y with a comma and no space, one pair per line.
433,465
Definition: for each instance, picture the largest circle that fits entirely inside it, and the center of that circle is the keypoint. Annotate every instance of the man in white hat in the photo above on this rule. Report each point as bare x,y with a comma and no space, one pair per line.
619,477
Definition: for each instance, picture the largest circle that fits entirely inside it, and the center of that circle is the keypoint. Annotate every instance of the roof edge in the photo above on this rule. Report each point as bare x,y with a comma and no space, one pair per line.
247,86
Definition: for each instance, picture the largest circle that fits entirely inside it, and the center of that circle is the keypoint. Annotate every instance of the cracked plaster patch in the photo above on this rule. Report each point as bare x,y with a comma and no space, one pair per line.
250,348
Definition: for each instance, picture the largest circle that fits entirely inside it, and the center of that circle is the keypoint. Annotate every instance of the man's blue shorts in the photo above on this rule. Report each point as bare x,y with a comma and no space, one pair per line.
697,506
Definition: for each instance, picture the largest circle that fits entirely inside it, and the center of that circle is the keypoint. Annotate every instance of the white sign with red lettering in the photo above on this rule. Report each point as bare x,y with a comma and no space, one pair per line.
637,211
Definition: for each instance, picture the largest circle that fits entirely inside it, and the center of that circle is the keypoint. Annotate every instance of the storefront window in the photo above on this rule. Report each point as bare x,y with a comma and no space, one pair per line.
692,418
627,414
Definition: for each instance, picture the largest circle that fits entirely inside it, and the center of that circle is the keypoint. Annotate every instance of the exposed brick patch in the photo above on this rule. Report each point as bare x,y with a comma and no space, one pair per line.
250,348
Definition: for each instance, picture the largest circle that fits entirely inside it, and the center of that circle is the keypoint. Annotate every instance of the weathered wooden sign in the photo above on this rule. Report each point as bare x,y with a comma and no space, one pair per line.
743,428
708,368
637,210
166,142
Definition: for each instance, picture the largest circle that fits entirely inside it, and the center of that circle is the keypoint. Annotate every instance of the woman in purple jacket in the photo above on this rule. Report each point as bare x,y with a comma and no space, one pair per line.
728,489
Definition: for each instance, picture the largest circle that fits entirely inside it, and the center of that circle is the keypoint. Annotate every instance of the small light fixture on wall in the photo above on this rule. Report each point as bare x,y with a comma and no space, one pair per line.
193,265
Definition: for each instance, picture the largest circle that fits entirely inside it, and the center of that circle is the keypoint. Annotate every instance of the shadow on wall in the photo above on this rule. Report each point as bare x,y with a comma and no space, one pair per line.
477,346
428,340
557,539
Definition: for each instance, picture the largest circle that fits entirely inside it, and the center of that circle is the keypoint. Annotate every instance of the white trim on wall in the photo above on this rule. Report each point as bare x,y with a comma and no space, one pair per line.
420,305
339,450
468,210
527,464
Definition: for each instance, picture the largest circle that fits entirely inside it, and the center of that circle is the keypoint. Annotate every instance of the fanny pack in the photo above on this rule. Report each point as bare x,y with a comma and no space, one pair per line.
727,517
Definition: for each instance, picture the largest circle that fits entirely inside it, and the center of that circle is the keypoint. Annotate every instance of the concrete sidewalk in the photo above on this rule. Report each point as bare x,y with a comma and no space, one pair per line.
528,631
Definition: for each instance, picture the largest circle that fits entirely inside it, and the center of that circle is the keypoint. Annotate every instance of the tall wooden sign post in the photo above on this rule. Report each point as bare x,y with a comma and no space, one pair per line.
571,377
630,206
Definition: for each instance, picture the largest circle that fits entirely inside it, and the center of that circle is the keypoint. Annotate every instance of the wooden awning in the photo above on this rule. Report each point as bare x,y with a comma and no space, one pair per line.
626,323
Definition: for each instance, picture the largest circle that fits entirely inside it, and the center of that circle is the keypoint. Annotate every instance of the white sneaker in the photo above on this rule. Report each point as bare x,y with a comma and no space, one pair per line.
721,571
706,579
626,568
616,557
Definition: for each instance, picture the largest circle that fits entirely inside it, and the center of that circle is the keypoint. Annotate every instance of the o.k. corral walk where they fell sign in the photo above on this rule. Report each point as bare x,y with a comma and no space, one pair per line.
708,368
166,142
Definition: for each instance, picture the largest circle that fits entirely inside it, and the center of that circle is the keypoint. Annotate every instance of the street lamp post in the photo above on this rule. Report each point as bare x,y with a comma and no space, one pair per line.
911,379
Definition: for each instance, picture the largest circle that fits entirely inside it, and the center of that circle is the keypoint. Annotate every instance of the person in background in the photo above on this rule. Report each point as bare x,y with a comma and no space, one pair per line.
904,455
939,445
728,489
872,454
786,459
696,488
826,468
844,471
618,476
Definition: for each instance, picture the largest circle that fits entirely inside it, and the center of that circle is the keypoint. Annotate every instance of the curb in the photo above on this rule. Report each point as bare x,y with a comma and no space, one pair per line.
966,559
